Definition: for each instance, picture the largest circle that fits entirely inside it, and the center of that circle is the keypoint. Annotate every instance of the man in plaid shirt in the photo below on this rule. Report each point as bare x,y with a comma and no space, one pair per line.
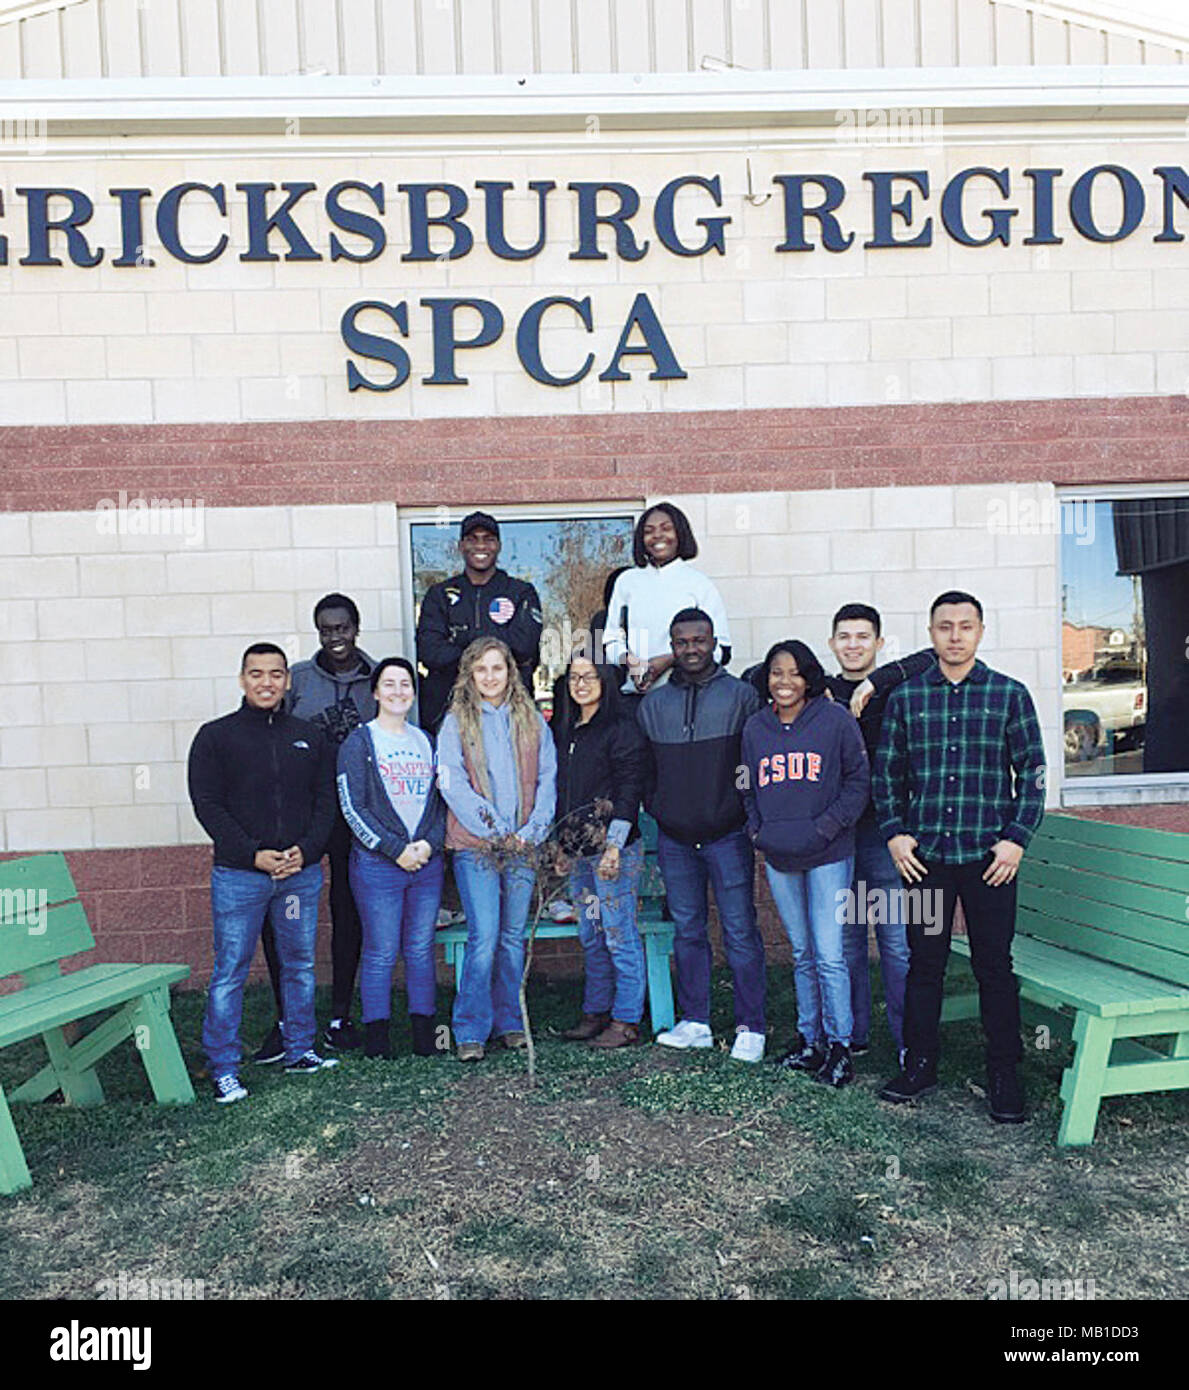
958,787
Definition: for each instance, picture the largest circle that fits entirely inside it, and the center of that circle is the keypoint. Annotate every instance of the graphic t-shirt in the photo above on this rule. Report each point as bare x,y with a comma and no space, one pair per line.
405,762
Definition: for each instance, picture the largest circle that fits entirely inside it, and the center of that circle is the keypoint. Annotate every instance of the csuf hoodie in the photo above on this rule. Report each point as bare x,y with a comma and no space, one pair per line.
805,784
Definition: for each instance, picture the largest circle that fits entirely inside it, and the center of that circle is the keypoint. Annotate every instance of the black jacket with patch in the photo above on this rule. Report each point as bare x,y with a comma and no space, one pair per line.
453,614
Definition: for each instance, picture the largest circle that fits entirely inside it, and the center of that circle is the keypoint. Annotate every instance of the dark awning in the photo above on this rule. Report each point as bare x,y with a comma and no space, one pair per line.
1151,533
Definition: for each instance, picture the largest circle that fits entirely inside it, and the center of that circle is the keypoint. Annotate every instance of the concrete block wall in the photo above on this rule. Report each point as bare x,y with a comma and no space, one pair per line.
119,646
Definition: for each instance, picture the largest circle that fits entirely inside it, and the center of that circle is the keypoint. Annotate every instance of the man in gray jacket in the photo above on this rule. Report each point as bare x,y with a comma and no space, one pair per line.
333,690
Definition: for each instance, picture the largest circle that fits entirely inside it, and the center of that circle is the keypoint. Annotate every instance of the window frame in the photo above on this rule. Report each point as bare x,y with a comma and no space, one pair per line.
408,517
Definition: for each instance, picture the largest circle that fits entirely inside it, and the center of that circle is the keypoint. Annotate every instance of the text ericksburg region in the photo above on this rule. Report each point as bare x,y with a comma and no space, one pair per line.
976,206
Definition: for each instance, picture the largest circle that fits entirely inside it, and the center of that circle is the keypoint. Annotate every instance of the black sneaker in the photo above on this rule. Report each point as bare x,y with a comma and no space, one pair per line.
425,1042
272,1049
918,1078
1005,1099
860,1049
310,1062
228,1089
837,1070
803,1056
342,1035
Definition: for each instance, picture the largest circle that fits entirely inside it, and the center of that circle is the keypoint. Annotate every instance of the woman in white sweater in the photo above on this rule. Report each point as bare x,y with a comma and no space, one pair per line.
646,597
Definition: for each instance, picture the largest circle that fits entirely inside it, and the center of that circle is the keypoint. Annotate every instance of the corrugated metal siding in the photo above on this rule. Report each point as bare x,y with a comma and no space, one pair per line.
212,38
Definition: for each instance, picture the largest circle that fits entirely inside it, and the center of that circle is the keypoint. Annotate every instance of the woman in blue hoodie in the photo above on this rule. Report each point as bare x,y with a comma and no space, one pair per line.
498,772
806,783
398,820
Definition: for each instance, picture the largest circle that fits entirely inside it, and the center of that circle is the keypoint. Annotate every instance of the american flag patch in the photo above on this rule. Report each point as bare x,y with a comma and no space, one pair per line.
501,610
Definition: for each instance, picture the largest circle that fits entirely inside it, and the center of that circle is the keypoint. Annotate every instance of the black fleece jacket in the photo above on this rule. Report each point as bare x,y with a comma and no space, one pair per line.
605,759
262,779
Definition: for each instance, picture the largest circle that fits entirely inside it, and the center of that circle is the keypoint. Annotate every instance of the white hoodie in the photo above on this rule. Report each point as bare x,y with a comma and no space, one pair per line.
653,597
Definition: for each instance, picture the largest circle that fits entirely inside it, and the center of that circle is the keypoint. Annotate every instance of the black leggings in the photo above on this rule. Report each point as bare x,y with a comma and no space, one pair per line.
346,933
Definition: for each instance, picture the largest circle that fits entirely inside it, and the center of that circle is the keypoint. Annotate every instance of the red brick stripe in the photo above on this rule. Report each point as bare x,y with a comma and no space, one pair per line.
457,462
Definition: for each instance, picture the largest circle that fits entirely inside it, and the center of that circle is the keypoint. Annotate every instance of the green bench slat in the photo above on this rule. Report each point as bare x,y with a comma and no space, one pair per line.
1130,1078
1146,944
1046,855
39,871
1166,905
550,930
1135,839
54,1002
1097,987
67,933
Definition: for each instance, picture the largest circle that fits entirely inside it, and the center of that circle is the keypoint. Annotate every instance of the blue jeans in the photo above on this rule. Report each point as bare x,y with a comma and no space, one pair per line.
399,912
607,929
810,904
241,899
729,864
496,902
874,871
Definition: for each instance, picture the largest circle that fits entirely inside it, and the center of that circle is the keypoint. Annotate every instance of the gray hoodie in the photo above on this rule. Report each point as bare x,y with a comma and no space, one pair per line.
336,703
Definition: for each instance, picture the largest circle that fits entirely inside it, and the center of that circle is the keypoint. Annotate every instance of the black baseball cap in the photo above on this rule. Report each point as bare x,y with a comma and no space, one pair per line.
479,519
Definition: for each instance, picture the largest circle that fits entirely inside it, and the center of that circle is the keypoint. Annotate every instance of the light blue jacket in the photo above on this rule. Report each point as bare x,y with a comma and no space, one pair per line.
498,816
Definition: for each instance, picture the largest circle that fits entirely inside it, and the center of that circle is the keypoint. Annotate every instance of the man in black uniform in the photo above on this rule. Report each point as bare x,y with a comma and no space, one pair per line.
482,601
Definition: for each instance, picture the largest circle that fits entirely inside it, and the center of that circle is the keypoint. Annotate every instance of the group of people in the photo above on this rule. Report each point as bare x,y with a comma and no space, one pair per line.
879,796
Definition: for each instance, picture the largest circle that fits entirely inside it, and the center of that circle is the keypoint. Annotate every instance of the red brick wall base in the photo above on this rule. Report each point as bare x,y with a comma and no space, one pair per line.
153,905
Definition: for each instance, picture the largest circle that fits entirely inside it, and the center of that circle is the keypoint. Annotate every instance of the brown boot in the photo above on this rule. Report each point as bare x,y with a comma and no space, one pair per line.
617,1034
588,1026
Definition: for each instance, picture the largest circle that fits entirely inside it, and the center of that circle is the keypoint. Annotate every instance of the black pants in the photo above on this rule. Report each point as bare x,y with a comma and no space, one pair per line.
346,933
990,925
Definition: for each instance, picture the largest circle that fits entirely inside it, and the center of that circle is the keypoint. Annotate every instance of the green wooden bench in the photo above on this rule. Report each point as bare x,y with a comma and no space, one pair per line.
41,923
657,934
1102,943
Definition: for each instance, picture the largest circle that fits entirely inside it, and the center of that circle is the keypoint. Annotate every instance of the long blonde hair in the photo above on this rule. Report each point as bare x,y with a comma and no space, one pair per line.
466,707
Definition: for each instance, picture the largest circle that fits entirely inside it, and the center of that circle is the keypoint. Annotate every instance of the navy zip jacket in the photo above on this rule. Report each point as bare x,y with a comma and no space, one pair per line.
262,779
693,729
368,810
806,784
885,679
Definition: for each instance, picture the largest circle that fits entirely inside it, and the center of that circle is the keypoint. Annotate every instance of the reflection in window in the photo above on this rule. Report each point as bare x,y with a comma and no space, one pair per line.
568,559
1125,635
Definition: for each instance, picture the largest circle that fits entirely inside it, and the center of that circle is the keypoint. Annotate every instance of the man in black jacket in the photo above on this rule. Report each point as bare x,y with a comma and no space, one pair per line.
482,601
694,725
876,888
262,786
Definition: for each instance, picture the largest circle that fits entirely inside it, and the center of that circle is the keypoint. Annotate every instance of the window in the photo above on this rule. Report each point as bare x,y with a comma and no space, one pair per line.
567,557
1125,635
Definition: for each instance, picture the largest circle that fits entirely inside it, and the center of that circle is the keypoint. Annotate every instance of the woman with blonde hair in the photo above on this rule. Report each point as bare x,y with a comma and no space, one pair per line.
497,769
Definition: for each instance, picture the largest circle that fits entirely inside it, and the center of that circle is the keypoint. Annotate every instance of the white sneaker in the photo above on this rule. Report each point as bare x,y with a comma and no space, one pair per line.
687,1034
749,1046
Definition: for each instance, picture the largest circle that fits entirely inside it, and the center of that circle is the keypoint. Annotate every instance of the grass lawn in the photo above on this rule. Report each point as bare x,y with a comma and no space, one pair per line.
642,1173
